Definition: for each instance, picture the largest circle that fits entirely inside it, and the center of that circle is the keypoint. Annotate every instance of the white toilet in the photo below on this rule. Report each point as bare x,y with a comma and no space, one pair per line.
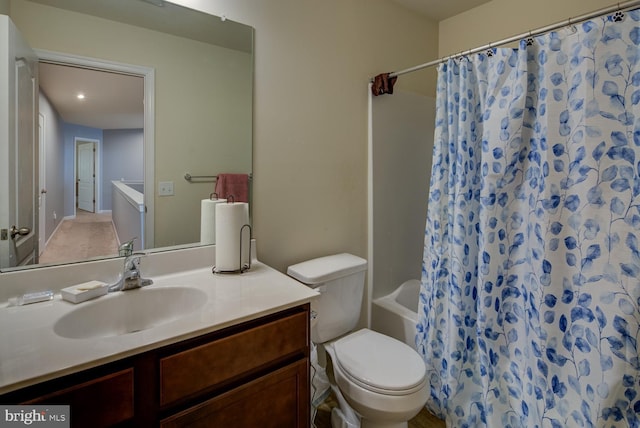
381,378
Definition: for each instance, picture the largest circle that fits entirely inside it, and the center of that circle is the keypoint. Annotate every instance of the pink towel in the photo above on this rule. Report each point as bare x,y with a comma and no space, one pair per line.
233,184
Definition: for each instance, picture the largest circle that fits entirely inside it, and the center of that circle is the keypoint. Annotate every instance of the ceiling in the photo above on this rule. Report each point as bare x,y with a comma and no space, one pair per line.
440,9
165,17
115,101
112,100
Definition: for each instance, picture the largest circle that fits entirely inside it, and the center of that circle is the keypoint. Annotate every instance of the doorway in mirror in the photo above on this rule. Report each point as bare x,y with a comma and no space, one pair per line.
92,140
86,176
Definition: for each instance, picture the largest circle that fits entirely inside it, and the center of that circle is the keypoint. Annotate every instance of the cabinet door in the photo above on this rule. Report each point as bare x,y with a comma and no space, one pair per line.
100,402
275,400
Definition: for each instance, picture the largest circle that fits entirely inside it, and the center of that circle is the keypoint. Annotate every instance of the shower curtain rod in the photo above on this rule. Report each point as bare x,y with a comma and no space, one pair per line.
618,7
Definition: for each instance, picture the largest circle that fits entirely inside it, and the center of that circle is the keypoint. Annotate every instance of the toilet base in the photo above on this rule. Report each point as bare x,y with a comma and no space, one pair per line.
372,424
338,420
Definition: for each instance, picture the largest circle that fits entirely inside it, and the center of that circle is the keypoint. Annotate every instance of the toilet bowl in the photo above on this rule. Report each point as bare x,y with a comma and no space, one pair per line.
380,378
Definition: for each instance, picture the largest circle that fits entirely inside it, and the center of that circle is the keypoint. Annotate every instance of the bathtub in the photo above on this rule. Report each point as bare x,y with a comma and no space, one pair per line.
396,314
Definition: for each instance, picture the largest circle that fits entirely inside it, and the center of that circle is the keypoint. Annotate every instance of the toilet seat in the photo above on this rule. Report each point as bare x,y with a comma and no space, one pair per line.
380,363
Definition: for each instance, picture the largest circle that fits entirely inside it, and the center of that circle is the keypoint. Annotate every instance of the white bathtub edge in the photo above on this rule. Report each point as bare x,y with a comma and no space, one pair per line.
393,319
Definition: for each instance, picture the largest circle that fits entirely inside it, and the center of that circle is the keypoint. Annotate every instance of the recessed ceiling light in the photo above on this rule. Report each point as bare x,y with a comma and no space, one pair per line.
80,96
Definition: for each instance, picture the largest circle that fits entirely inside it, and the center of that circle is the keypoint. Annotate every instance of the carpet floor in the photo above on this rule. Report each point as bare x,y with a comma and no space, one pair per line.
86,236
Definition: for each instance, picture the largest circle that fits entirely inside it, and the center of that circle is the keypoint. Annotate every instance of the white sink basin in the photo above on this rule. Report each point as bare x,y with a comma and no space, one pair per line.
129,311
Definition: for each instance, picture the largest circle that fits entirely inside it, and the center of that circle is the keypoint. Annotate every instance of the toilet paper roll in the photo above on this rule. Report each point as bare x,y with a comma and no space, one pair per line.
230,218
208,220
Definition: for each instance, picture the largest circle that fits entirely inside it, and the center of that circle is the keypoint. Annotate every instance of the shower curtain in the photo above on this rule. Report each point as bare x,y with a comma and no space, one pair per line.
530,298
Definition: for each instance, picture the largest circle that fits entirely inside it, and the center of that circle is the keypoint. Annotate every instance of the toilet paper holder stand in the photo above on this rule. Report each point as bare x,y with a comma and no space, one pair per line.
243,266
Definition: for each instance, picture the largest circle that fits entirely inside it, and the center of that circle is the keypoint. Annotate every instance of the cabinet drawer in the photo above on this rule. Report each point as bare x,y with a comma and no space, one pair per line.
272,401
103,401
187,373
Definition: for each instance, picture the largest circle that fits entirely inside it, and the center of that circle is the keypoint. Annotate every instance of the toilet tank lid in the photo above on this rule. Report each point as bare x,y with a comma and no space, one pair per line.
324,269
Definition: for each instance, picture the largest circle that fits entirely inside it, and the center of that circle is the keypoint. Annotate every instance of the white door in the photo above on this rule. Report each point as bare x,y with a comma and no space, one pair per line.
18,149
42,194
86,176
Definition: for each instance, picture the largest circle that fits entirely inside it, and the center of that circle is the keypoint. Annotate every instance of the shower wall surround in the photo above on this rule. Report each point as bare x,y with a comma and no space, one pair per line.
403,126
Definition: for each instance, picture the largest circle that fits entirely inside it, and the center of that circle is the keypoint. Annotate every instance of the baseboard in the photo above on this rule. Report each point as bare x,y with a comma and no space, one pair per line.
56,229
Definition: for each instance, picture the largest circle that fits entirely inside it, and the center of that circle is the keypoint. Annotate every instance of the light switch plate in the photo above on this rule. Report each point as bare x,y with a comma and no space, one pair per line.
165,188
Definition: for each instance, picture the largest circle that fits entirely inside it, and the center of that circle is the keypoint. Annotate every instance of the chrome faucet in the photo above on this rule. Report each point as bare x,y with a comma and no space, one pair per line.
131,277
126,249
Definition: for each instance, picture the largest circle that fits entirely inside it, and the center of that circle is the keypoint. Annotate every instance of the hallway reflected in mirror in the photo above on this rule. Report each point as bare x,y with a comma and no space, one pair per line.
86,236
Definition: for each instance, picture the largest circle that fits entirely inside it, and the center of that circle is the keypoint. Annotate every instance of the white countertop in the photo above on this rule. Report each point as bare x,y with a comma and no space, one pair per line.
31,352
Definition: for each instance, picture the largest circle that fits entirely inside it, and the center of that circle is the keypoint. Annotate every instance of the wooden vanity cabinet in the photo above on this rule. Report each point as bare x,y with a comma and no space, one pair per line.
103,401
255,374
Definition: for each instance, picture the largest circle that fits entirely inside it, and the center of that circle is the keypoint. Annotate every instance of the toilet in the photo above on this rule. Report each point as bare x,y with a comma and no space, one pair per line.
382,379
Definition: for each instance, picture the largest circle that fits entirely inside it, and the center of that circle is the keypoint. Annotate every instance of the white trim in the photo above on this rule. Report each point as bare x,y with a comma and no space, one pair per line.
149,157
58,227
369,203
122,217
42,182
148,73
130,194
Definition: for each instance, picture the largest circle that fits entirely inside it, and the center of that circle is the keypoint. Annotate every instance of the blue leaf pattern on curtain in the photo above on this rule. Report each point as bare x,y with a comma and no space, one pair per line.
530,299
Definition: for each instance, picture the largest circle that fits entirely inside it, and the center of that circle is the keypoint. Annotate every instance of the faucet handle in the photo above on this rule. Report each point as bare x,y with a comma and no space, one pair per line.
126,248
132,261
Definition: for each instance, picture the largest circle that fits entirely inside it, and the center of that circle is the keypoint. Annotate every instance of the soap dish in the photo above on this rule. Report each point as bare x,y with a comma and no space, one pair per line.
85,291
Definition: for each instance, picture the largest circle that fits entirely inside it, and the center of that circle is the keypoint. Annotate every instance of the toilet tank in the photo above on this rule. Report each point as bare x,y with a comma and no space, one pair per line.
340,280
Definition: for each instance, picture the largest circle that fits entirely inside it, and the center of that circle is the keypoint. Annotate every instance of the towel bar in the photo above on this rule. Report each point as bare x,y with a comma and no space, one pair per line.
204,178
201,178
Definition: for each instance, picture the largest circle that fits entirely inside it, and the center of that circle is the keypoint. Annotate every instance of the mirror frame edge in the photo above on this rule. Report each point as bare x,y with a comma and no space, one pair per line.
148,73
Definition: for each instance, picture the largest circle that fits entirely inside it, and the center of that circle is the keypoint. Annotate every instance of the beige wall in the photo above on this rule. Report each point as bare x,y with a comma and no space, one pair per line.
312,64
500,19
310,135
188,125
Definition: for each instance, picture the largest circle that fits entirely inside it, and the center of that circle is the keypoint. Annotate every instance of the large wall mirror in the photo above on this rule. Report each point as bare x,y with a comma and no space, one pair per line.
187,108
